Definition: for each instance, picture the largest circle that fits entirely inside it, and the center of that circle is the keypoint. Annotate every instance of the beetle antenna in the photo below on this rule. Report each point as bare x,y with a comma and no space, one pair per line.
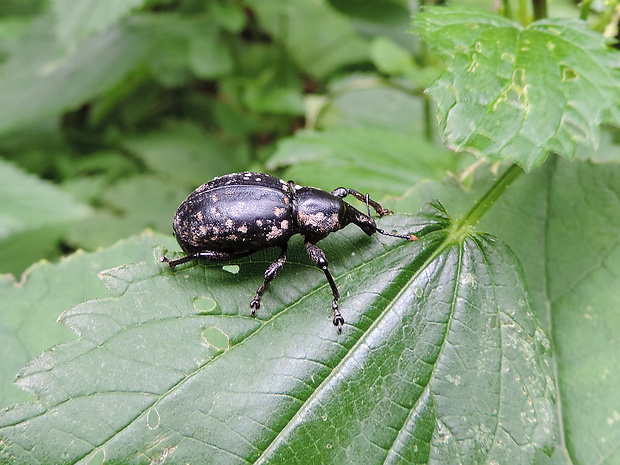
409,237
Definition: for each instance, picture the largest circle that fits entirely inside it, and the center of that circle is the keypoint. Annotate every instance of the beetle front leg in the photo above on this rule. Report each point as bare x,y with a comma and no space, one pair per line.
318,257
342,192
270,275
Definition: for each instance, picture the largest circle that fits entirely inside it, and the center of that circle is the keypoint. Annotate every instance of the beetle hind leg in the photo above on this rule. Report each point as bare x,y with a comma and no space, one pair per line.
205,255
318,257
270,275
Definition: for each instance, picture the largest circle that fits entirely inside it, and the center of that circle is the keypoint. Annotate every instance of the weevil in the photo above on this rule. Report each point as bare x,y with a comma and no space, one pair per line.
238,214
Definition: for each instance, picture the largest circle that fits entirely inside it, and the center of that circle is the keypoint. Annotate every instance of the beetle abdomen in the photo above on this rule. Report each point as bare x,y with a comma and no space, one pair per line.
234,217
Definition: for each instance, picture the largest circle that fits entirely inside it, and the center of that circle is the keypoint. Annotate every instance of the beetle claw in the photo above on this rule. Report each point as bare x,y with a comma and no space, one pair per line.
338,319
254,305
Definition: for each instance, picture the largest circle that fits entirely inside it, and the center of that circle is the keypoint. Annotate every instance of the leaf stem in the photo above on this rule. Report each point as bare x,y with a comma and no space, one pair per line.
540,9
490,197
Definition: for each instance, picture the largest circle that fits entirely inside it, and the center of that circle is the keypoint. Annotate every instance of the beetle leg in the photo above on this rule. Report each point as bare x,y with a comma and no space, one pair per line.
206,255
318,257
270,275
342,192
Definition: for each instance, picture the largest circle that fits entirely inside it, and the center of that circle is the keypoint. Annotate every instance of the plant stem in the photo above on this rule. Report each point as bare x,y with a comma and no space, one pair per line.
540,9
490,197
507,11
585,9
428,119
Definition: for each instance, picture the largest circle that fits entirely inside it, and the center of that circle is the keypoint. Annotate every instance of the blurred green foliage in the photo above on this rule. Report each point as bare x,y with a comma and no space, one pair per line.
129,105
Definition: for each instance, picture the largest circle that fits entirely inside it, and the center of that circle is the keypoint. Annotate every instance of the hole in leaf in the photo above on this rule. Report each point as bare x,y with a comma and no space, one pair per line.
508,57
568,74
204,304
152,419
216,337
234,269
513,97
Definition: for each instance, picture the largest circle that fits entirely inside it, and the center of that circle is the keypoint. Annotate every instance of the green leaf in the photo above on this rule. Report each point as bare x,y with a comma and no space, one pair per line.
129,206
583,271
41,80
563,222
31,307
367,159
208,57
318,39
184,152
77,20
440,357
33,217
230,16
30,203
514,93
391,58
366,100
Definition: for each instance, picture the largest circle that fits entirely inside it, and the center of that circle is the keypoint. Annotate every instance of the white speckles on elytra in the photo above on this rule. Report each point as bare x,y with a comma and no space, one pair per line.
275,233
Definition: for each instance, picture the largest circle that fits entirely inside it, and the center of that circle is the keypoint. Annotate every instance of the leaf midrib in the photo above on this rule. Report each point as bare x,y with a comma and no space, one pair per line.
297,417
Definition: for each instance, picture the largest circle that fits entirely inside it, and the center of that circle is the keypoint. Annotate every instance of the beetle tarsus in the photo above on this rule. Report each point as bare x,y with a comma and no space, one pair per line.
338,319
255,304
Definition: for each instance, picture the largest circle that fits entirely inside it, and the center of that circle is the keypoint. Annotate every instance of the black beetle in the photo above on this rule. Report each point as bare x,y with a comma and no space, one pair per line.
238,214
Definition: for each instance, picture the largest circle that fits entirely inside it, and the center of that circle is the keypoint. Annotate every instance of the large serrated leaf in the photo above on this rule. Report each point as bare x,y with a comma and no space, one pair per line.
29,308
440,357
563,222
515,93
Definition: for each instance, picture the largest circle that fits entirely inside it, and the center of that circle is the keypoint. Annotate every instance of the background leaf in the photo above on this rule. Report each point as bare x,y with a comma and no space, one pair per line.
131,205
445,357
40,80
183,151
33,217
318,38
75,21
514,93
375,160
